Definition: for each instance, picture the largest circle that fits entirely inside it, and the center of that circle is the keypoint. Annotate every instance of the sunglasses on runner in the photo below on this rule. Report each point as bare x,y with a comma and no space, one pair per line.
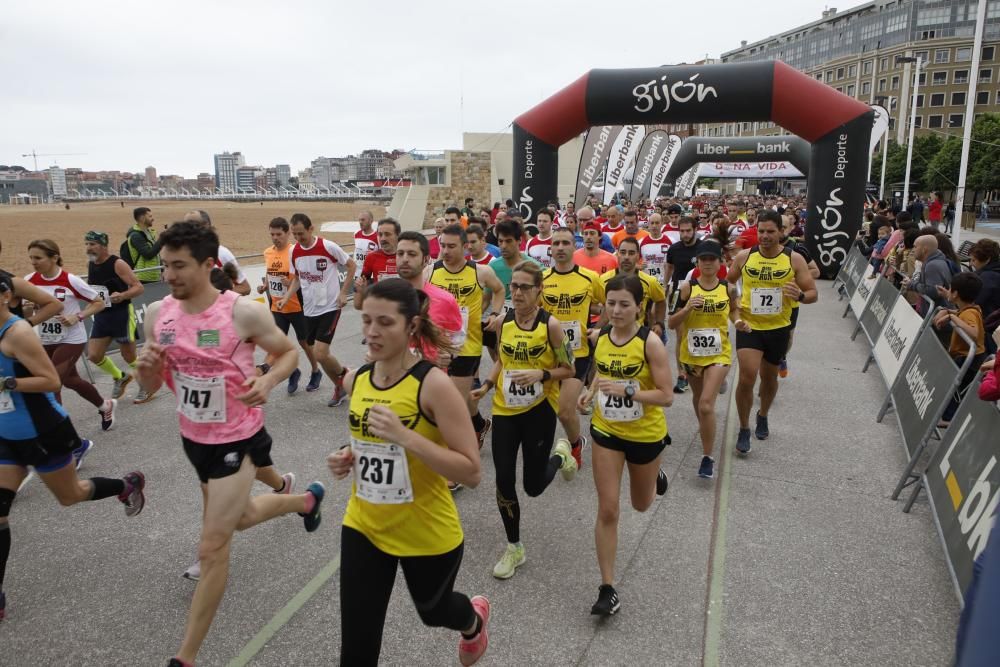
521,287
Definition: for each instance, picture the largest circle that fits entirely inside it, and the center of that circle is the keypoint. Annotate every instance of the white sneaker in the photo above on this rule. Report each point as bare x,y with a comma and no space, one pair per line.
563,450
512,559
289,478
193,573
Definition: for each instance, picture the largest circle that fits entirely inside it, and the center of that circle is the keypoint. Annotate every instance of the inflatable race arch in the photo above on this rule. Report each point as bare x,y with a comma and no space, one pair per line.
838,128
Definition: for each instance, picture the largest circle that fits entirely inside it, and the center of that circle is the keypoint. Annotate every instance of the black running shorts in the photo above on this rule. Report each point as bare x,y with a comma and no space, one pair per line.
218,461
636,453
322,327
772,342
295,321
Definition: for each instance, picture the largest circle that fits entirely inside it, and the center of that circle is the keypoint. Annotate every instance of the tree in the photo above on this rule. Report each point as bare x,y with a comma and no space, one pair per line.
895,166
942,170
925,147
984,154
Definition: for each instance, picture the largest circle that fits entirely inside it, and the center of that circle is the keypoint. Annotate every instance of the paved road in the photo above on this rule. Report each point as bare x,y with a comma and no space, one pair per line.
793,556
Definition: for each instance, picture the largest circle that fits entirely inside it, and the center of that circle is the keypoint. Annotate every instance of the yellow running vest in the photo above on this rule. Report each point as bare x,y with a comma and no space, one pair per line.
762,304
464,286
403,507
652,290
521,349
620,416
705,335
567,297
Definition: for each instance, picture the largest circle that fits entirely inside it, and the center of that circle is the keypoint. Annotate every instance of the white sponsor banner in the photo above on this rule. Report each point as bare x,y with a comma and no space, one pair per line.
684,186
896,338
621,158
594,159
879,127
663,164
776,169
863,293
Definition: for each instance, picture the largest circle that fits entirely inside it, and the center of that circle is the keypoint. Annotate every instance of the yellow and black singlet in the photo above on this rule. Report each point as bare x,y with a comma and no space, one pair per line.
652,290
464,286
403,507
762,304
524,349
621,416
568,297
705,335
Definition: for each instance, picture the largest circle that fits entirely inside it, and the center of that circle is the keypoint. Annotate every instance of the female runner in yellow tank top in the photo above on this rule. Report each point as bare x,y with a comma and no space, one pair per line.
633,385
704,309
403,449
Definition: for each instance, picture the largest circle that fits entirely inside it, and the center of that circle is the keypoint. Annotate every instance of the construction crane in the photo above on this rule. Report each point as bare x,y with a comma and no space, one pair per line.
35,155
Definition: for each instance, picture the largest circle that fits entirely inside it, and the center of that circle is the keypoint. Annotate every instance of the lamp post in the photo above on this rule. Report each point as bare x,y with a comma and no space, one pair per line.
913,122
969,118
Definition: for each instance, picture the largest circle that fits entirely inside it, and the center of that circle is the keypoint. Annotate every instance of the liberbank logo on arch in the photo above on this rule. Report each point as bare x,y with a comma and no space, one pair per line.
838,128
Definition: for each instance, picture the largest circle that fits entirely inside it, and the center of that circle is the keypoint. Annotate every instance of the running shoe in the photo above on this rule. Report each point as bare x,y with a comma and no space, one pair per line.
707,468
119,386
578,451
472,649
312,519
783,368
193,573
177,662
513,558
761,431
724,387
568,467
455,486
481,435
293,381
661,482
289,478
132,497
681,386
3,605
143,396
607,603
338,391
80,452
107,413
314,379
743,442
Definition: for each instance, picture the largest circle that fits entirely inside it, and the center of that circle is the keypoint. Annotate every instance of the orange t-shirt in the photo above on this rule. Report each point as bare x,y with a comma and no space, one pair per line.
601,264
972,315
278,265
621,234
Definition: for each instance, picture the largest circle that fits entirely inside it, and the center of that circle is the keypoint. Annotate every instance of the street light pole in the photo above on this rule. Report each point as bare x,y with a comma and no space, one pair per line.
885,143
913,122
970,100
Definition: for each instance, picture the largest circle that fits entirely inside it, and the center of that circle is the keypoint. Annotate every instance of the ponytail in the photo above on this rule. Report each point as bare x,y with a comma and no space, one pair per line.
429,335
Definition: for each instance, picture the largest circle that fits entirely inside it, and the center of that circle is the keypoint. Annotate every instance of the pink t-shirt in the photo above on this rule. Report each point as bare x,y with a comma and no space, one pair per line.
444,312
206,365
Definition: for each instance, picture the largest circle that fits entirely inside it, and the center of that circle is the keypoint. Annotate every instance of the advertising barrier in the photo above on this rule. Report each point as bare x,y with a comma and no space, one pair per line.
894,342
963,484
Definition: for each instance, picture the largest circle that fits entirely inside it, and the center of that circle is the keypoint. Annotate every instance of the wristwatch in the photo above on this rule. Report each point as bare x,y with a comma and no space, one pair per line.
546,376
801,297
9,383
629,391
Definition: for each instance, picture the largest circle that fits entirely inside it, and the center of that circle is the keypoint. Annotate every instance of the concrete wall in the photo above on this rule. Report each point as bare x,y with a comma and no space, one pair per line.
500,146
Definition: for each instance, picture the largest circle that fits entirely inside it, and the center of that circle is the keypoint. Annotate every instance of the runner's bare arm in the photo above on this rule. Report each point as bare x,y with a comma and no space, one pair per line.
253,322
46,305
135,288
736,270
149,363
804,282
92,308
345,287
31,355
659,366
293,287
459,461
681,314
488,383
489,280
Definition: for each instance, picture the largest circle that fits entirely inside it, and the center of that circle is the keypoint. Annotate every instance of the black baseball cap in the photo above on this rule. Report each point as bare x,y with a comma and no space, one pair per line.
709,249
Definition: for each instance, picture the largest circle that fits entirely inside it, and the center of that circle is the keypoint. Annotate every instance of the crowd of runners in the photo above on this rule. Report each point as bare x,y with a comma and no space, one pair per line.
568,321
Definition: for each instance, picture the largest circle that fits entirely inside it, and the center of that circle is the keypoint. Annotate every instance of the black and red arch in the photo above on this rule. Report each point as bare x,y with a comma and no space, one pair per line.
837,126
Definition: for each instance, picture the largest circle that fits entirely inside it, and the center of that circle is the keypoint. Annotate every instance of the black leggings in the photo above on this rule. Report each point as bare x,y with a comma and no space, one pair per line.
64,357
367,575
533,431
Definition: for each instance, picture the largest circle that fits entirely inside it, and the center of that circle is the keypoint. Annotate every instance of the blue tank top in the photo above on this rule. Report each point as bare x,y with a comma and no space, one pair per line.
25,416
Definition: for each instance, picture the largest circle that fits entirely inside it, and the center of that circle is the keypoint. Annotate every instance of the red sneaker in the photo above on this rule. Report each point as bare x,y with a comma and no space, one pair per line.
577,451
471,650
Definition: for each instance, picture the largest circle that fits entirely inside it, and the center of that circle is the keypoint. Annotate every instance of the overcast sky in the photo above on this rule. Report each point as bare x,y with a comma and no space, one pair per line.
169,84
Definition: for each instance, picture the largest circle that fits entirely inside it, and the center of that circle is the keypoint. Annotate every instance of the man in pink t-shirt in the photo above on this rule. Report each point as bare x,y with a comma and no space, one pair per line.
412,256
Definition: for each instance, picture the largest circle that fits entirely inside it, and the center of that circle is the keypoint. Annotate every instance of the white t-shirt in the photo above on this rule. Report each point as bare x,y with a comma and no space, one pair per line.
68,289
363,244
227,257
540,250
318,268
